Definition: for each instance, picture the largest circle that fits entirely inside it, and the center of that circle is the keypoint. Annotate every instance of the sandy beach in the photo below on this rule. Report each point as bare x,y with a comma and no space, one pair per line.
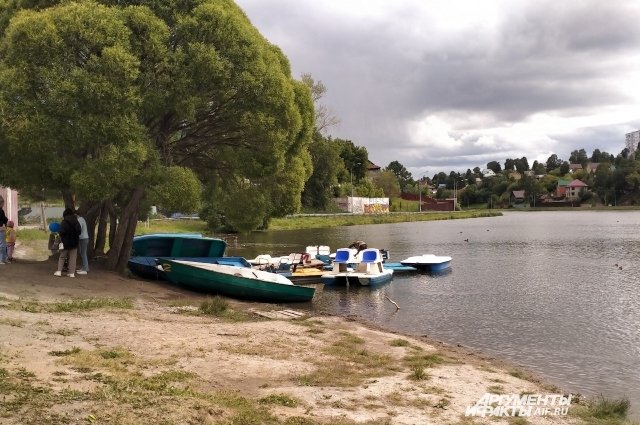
103,348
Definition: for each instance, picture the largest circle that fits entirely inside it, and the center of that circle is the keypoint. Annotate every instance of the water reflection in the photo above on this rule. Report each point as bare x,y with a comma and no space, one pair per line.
557,292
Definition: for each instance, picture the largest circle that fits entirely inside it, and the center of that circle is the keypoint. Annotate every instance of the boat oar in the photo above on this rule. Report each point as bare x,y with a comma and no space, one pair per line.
393,302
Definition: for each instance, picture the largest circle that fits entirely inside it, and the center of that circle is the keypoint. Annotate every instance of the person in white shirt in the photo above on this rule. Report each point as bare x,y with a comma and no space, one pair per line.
83,245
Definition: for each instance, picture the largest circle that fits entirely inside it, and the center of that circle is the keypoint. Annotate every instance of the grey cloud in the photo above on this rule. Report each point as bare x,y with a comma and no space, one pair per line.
556,57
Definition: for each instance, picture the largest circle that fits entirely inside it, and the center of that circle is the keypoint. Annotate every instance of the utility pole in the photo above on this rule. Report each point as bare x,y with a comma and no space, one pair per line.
351,181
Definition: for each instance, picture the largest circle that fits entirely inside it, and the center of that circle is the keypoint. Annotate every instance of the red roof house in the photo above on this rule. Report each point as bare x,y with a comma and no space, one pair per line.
574,188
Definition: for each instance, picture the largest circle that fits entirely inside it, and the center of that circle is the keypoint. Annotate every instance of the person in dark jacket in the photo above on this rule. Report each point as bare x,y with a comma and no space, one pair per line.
70,237
3,228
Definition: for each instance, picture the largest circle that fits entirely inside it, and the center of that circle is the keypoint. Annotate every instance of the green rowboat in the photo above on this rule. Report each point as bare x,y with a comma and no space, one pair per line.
235,282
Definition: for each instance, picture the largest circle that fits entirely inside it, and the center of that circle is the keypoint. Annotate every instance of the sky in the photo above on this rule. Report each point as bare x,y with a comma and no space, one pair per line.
442,85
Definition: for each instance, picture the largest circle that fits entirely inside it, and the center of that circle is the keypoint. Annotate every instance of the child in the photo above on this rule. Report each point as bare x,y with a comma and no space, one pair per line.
11,240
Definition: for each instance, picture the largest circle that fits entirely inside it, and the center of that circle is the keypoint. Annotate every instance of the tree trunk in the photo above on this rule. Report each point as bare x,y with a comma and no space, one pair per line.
101,237
90,211
121,246
113,223
69,199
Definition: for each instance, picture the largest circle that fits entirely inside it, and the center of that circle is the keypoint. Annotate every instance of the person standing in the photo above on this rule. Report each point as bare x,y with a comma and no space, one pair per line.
70,236
11,241
3,235
83,245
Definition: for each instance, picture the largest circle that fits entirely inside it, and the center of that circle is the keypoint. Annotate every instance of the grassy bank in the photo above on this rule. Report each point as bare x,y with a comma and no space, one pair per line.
317,221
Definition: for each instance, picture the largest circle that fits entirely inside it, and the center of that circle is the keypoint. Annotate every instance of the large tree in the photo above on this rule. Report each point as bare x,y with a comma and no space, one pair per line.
579,156
113,101
553,162
327,164
402,174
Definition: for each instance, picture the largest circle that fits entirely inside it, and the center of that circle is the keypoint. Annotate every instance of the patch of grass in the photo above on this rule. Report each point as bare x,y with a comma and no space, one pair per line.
73,305
278,348
434,390
604,411
173,226
280,400
320,221
519,374
90,304
64,353
350,364
418,374
495,389
419,359
129,393
25,374
18,323
33,235
63,332
114,360
219,307
399,343
216,306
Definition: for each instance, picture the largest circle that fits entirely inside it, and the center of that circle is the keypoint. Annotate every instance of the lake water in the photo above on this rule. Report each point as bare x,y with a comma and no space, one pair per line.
555,292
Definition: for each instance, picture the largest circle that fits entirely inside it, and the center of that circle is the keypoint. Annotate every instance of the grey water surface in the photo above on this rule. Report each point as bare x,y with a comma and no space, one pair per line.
557,292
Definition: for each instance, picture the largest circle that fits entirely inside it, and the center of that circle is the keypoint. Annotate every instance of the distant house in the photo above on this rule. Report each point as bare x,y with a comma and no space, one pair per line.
517,198
561,189
372,168
574,167
574,189
488,173
592,167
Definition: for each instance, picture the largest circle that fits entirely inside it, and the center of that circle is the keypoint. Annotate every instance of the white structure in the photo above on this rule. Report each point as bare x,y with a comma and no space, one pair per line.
368,205
631,141
10,197
488,173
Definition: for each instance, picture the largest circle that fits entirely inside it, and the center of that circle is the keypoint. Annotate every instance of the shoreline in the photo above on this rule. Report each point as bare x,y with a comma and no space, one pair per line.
117,363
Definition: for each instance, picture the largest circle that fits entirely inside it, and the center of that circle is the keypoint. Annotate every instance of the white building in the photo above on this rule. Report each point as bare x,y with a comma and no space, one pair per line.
488,173
631,141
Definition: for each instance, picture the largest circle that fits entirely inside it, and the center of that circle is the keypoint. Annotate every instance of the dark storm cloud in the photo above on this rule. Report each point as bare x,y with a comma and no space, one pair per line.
385,71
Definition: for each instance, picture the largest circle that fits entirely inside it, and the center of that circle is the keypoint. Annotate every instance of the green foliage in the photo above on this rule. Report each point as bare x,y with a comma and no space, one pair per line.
327,163
368,189
180,190
83,304
603,408
280,400
388,182
215,306
494,166
356,159
402,174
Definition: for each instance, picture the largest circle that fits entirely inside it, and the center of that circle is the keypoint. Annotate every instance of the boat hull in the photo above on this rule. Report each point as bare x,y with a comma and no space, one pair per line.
147,267
429,262
354,278
306,275
235,282
429,267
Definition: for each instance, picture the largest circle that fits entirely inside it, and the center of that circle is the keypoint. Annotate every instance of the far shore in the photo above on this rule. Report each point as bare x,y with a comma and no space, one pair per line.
104,348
